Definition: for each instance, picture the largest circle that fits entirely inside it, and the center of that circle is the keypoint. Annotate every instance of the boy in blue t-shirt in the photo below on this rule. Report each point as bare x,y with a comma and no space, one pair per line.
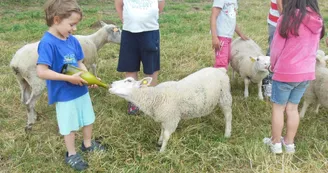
70,94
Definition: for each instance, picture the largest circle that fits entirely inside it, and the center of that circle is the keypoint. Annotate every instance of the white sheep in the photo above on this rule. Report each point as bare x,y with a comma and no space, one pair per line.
193,96
24,61
248,60
317,91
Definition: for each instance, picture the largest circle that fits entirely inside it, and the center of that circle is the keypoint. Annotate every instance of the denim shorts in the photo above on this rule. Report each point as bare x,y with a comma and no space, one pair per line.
283,92
139,47
73,114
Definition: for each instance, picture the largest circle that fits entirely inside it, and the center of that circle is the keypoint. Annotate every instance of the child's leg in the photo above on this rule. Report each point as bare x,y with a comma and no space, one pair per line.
155,78
277,122
222,55
70,143
134,75
87,134
293,120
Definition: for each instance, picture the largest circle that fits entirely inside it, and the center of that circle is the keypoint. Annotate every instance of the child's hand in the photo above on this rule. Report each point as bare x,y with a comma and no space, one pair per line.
242,36
77,80
94,85
216,43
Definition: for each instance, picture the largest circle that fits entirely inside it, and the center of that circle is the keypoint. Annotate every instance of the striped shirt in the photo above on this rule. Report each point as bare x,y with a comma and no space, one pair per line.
273,14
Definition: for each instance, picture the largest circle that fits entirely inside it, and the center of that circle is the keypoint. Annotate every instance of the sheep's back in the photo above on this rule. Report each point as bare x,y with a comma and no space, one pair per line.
199,93
24,60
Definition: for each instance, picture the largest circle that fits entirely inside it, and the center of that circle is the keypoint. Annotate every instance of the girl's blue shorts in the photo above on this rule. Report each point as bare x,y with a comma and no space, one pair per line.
283,92
139,47
74,114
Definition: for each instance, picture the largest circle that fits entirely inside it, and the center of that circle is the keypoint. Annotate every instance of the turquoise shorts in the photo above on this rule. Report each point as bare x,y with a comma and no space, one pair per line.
74,114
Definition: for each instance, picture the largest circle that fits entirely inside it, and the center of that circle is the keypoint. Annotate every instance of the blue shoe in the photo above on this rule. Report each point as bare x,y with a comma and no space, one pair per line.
76,162
94,146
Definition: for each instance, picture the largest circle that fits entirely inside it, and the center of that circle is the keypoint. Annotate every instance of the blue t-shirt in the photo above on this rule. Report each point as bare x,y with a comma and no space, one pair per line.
54,53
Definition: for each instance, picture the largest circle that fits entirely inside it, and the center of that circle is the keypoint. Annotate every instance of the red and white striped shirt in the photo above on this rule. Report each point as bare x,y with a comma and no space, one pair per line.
274,13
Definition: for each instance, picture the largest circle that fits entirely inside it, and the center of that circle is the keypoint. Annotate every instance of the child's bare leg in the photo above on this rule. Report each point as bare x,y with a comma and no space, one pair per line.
70,143
277,122
87,134
293,120
132,74
155,78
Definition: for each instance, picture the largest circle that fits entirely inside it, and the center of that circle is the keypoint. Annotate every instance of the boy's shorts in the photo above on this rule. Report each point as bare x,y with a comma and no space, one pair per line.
73,114
283,92
136,47
222,56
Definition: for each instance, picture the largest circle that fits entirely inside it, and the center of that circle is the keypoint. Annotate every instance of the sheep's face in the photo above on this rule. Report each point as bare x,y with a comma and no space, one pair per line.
321,58
262,62
114,33
123,88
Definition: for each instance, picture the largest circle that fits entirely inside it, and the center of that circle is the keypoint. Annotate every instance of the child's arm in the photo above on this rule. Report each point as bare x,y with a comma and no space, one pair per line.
241,35
161,4
279,5
81,65
44,72
215,40
119,8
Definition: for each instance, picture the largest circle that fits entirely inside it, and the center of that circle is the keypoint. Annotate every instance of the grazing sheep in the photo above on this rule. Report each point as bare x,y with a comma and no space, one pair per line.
193,96
248,60
317,91
24,61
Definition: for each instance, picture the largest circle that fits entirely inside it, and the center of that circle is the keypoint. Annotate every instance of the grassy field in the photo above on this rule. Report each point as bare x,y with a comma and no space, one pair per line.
197,145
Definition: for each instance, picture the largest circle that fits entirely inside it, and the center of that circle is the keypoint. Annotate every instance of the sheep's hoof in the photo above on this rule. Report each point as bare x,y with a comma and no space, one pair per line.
158,145
28,128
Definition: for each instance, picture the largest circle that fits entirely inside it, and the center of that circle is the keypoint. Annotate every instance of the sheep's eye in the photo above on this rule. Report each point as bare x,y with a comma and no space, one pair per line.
257,59
129,80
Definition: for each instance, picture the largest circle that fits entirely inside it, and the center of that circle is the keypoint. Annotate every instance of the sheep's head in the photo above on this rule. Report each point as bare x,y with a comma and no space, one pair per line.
321,58
114,33
123,88
262,63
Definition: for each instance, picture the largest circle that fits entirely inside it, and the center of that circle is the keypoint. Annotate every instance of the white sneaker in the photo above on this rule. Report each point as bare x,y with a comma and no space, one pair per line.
275,148
267,90
289,148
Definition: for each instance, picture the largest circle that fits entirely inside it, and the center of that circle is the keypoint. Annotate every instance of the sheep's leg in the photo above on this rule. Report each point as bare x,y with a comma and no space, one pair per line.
233,75
225,103
168,129
317,108
260,94
94,69
160,140
305,106
24,88
246,81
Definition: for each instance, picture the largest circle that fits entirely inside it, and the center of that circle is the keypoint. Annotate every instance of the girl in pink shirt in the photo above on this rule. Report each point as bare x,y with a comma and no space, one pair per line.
293,58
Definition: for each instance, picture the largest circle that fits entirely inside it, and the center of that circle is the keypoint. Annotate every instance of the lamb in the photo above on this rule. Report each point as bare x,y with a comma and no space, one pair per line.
24,61
317,89
248,60
194,96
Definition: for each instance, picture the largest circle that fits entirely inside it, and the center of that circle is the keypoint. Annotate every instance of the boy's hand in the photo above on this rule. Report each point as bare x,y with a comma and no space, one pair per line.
77,80
94,85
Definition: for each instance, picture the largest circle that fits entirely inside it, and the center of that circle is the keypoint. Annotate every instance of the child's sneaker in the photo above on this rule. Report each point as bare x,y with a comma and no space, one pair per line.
76,162
289,148
267,85
132,109
275,148
94,146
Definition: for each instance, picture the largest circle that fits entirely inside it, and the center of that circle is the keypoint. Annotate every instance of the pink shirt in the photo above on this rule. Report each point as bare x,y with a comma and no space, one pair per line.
293,59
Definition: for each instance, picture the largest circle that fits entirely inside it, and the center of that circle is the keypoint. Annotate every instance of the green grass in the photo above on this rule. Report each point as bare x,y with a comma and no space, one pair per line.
197,145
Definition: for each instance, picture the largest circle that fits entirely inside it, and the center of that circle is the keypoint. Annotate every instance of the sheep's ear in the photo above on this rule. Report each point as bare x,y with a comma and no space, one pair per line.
103,23
253,59
115,29
145,81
